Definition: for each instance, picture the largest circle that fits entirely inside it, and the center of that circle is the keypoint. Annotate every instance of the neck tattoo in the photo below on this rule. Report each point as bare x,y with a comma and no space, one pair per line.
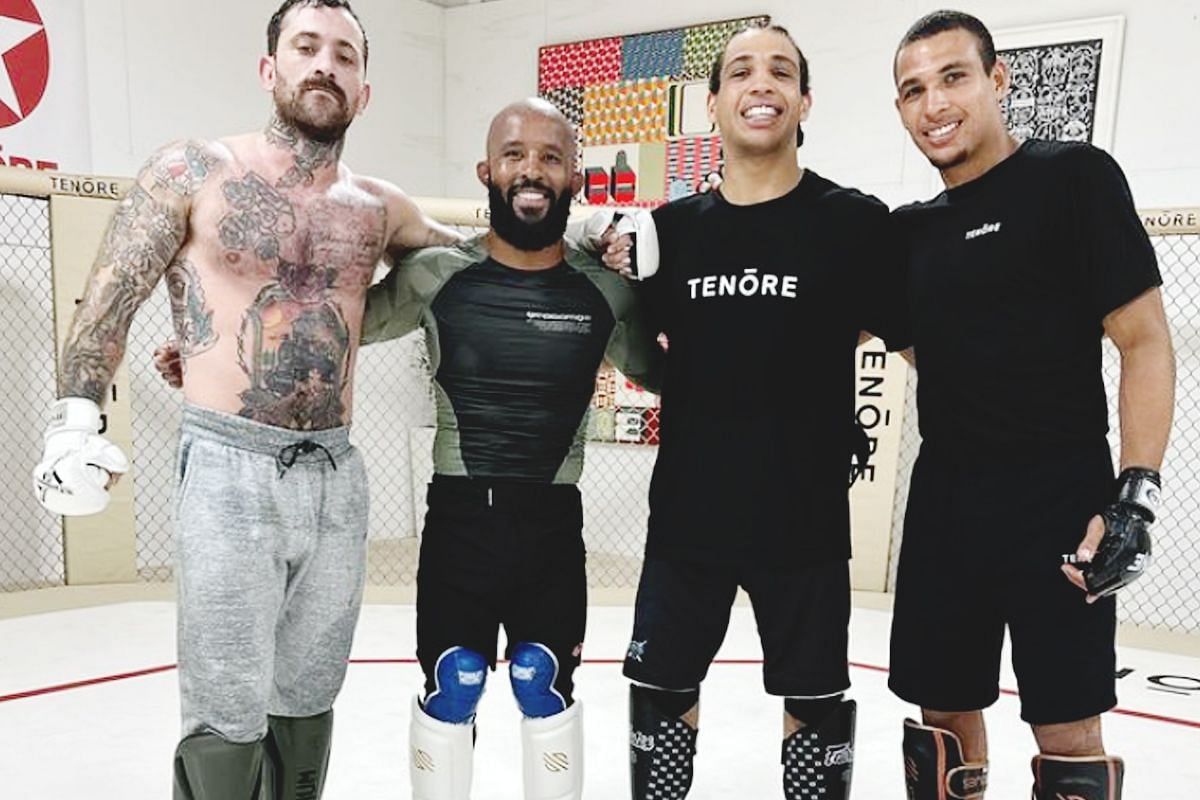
309,155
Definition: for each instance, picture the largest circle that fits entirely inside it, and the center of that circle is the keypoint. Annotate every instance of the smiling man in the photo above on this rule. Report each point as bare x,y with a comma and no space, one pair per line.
517,322
1030,256
763,289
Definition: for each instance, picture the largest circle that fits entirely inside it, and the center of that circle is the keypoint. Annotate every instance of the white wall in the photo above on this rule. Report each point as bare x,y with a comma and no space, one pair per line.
165,69
853,136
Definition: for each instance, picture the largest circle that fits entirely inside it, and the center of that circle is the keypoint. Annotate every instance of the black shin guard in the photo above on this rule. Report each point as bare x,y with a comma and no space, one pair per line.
819,758
1088,778
934,768
661,745
298,754
207,767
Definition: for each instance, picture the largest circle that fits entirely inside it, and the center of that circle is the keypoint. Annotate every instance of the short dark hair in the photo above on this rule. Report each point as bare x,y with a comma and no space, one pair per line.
941,21
714,74
276,23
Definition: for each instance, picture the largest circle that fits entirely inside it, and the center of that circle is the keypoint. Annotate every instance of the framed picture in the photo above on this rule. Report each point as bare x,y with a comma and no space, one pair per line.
1065,79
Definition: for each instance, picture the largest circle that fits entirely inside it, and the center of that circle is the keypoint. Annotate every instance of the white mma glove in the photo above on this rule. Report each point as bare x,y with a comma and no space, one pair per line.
638,223
77,463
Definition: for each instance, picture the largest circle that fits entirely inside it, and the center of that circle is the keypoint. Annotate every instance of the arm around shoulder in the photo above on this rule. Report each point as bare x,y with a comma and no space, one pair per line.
408,227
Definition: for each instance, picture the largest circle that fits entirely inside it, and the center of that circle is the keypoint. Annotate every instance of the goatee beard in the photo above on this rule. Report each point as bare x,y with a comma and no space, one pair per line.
528,236
291,113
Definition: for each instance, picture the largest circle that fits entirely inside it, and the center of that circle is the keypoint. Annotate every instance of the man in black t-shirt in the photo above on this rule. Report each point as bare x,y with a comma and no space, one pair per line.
763,289
1031,255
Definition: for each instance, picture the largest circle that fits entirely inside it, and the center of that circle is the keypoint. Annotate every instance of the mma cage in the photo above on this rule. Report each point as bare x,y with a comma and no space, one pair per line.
50,228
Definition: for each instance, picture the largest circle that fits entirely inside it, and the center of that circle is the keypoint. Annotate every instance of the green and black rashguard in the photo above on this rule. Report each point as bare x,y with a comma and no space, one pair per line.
514,354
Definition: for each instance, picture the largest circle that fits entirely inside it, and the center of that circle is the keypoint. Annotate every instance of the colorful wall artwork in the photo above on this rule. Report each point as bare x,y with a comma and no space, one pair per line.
639,102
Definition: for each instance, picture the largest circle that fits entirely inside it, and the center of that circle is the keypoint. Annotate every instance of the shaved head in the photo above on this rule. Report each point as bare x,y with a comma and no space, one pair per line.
530,173
530,108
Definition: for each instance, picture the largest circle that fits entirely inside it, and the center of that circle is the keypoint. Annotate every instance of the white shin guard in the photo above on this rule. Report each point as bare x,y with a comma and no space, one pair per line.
440,757
553,754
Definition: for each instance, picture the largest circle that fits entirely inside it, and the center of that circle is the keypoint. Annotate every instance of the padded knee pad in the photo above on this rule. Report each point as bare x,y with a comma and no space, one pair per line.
1088,778
552,752
207,767
460,675
440,757
818,760
934,768
533,672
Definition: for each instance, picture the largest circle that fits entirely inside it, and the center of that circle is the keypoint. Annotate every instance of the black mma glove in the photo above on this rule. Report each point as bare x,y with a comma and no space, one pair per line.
1124,552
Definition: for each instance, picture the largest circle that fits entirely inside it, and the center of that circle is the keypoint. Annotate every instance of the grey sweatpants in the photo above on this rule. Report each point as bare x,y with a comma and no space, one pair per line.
271,542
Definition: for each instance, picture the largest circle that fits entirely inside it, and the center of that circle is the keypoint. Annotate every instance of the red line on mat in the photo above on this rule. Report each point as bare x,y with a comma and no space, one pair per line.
64,687
141,673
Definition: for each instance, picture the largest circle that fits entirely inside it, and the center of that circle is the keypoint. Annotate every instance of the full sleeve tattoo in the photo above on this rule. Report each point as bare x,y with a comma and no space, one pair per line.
146,232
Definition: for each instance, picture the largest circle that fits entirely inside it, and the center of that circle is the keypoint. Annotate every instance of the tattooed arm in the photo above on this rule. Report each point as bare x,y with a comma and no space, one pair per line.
148,229
409,228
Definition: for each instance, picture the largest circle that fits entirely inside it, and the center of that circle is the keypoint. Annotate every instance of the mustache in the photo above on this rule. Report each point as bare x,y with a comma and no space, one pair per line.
328,84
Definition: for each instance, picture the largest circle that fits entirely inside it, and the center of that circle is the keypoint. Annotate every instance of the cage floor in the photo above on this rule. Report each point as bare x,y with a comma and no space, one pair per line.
88,709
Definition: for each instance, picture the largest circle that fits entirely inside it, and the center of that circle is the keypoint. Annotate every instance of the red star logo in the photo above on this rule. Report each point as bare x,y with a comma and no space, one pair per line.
26,60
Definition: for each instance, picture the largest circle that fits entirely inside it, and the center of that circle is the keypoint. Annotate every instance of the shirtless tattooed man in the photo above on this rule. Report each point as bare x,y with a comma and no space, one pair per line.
268,244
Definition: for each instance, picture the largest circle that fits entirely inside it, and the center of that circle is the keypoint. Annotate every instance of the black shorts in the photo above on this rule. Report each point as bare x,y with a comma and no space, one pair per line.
506,554
682,614
982,549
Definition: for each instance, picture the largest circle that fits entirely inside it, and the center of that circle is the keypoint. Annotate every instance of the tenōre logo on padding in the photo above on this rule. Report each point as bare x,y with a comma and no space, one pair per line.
24,60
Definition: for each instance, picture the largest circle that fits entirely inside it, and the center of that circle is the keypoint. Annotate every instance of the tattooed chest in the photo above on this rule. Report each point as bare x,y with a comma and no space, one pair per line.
309,261
265,231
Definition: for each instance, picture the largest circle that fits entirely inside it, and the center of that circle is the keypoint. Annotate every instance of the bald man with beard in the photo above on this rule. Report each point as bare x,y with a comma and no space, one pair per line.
517,321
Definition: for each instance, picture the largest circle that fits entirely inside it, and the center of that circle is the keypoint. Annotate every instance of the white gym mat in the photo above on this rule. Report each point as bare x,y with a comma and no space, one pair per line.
88,708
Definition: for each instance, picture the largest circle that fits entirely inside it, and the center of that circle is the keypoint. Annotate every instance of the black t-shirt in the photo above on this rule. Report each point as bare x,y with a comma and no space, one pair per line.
762,306
1011,276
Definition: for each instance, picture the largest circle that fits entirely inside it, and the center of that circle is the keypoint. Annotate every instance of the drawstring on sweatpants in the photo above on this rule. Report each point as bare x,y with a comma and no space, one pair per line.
286,458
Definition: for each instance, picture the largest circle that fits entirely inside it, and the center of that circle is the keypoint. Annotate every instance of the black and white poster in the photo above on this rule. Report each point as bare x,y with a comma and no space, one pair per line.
1054,88
1064,79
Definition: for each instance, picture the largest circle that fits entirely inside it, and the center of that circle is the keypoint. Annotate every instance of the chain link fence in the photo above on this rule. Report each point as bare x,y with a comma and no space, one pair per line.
1165,597
31,549
394,419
